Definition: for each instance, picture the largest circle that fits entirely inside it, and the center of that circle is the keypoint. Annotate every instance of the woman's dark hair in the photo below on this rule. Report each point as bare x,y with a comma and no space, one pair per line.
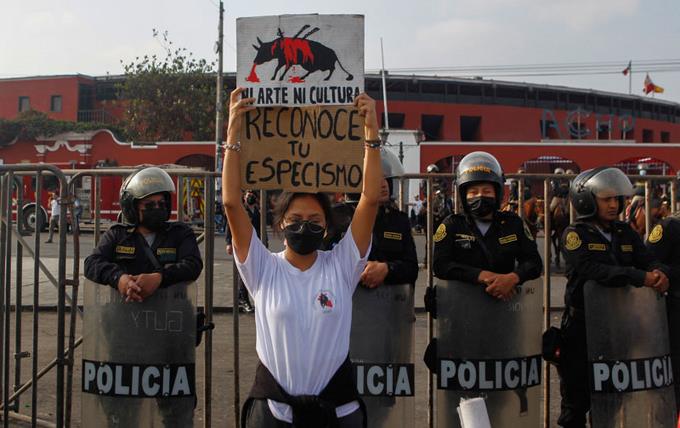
286,198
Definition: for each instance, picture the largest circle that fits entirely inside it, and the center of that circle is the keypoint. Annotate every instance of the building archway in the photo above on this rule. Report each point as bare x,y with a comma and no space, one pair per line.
651,166
546,164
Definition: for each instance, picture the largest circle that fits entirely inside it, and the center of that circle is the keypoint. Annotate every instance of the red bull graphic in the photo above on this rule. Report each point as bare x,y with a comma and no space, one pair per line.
310,55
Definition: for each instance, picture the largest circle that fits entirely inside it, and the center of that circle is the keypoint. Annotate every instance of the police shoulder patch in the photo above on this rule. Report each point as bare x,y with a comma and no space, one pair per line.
440,234
507,239
392,235
121,249
573,241
162,251
656,234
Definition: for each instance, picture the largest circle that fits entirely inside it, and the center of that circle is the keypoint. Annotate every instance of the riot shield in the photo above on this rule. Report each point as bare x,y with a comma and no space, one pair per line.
139,358
491,349
631,375
381,349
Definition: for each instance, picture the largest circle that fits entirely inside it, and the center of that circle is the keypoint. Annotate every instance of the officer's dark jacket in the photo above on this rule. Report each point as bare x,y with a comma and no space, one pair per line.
392,241
394,245
458,254
590,256
121,251
663,241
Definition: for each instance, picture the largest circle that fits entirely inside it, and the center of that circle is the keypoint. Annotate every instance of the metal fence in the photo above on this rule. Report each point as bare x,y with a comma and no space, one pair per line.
12,231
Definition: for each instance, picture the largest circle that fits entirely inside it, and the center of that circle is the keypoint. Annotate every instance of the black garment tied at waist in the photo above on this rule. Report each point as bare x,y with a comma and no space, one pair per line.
309,411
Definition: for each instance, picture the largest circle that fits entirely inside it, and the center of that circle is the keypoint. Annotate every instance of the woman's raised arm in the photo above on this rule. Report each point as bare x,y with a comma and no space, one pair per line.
364,216
239,222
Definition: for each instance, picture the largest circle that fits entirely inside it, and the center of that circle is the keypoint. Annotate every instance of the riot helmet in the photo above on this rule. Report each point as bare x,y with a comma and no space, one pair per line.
479,167
140,184
603,182
559,171
391,169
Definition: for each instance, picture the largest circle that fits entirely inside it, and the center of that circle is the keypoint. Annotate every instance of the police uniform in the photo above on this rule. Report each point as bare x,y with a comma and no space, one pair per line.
174,254
461,252
482,238
394,245
614,258
121,251
662,241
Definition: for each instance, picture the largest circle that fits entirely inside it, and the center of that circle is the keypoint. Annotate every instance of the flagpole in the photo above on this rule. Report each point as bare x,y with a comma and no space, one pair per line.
630,78
384,86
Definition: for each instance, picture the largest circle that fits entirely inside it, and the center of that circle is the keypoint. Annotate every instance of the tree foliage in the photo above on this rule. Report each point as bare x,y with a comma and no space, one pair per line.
32,124
170,98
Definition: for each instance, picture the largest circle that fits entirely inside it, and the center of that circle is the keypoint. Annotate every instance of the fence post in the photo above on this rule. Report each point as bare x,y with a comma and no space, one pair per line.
430,321
546,296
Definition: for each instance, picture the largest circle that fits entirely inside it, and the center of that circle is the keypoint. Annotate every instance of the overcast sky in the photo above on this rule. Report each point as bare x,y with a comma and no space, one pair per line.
44,37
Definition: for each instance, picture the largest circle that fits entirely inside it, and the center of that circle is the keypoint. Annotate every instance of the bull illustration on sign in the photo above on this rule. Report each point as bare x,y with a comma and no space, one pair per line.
310,55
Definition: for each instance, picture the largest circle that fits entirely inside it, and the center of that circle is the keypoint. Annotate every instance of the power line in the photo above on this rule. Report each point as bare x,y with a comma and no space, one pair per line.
549,69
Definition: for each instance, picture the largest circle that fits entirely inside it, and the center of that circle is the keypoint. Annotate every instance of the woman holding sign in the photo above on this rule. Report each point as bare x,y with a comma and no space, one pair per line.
303,296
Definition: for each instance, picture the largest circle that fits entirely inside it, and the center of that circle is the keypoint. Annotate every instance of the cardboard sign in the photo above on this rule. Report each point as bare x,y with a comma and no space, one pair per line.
303,149
296,60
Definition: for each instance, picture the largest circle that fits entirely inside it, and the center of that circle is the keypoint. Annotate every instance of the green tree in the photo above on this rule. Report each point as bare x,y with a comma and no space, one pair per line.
170,98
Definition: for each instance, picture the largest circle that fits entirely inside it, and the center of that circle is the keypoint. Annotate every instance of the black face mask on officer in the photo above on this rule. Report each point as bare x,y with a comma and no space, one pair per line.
481,206
154,215
304,237
250,199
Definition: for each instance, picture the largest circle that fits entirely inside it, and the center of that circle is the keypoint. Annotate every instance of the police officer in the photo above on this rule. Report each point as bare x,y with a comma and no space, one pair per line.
383,308
483,245
393,258
600,248
662,241
148,252
137,258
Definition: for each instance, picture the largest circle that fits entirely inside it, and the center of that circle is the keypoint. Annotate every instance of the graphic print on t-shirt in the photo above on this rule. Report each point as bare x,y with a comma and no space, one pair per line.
324,300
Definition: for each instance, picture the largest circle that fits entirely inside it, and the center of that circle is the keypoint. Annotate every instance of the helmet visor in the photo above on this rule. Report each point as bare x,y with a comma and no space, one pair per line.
609,183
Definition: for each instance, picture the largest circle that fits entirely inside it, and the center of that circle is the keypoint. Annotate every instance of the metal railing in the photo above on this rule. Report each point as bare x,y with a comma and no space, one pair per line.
10,229
98,116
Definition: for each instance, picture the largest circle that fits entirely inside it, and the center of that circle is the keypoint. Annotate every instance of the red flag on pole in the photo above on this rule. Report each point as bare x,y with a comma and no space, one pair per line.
628,68
650,87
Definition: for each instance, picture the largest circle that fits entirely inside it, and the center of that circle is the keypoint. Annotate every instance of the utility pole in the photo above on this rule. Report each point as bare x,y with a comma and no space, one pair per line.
630,78
219,99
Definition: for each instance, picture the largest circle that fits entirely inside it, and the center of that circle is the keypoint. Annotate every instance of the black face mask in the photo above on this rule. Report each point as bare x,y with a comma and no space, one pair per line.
154,218
250,199
481,206
304,237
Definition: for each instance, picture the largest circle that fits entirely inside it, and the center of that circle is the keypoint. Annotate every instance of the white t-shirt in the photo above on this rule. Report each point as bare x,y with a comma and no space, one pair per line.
54,207
303,319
